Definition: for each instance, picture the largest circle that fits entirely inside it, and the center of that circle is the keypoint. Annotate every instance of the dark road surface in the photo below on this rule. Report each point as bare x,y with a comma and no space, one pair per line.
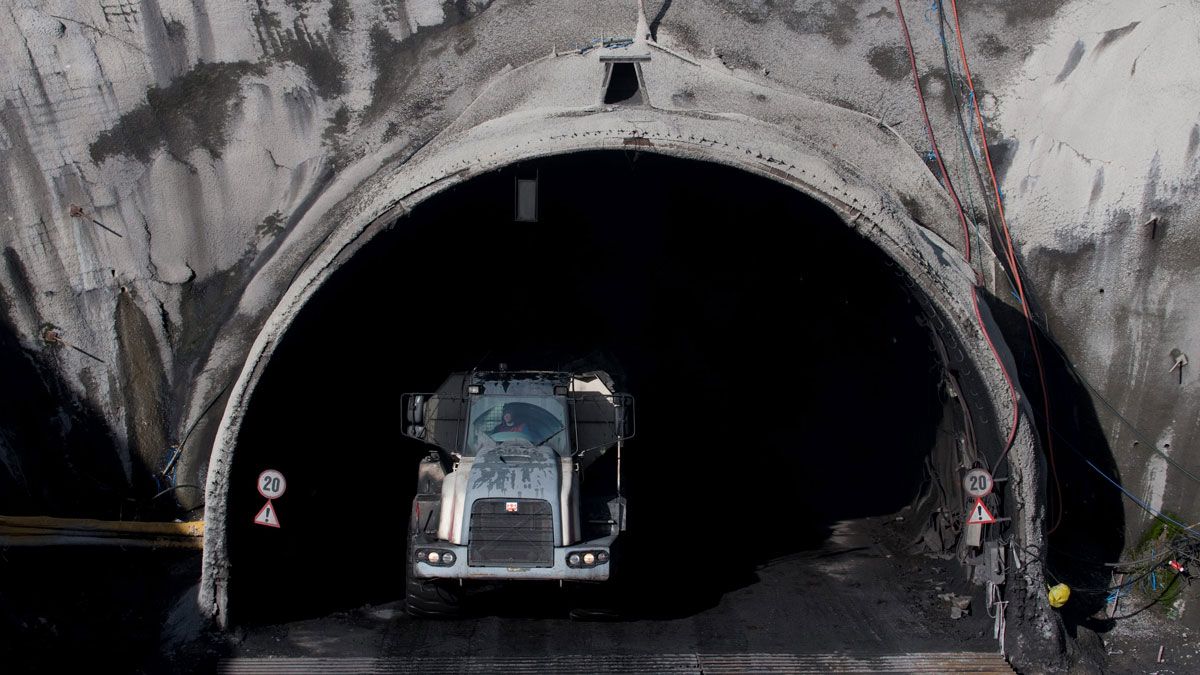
859,593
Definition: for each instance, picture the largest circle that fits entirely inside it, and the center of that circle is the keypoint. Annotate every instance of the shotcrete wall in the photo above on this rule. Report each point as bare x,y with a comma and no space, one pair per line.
221,153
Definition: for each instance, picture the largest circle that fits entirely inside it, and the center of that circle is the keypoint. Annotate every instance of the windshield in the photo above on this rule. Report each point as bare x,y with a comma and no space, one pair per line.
526,419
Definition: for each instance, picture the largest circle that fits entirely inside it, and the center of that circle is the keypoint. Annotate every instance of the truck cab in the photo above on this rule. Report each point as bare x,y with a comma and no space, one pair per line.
505,493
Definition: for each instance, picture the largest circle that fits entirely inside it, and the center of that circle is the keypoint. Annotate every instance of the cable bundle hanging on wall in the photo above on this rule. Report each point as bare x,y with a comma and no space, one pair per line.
1010,256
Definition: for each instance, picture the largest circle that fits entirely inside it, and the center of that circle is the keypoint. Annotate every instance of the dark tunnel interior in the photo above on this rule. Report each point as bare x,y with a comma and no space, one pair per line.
783,377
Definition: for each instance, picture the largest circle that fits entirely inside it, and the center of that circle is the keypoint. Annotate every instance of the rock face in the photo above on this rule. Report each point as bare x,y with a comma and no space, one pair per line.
196,137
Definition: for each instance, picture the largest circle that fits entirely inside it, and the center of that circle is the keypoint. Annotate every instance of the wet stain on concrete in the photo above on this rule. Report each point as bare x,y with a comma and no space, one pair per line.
399,62
205,306
1023,11
991,45
1111,36
311,51
890,62
684,99
395,63
913,207
314,54
936,84
1097,187
835,20
176,30
22,286
143,385
464,45
340,15
1001,151
191,112
1072,61
338,124
270,226
883,12
1193,141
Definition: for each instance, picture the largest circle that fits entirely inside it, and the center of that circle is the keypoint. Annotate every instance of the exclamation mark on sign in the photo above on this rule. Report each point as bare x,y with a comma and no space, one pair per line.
266,516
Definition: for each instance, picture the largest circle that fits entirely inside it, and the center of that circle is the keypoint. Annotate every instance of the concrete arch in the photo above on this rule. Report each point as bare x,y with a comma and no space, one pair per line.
867,200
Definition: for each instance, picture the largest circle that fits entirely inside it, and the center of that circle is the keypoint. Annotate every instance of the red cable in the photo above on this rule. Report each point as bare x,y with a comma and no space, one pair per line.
1012,263
929,129
1012,390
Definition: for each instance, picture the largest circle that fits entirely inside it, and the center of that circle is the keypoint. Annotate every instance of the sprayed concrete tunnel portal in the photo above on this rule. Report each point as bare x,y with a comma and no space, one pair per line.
791,375
223,255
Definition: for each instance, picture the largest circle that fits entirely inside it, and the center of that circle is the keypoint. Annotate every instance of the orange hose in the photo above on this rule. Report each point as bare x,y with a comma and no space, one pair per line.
1012,263
1012,434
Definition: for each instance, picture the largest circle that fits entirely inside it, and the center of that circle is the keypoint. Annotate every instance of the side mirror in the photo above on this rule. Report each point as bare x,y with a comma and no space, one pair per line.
623,416
414,413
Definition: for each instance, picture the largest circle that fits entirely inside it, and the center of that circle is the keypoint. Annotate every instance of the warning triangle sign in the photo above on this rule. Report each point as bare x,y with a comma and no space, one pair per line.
979,514
267,516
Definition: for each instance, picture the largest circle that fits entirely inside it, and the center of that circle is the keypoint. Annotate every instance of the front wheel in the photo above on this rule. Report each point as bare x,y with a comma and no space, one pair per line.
432,598
428,598
595,601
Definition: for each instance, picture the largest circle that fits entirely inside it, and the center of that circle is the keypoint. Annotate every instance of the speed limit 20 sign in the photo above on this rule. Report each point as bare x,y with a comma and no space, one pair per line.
271,484
978,483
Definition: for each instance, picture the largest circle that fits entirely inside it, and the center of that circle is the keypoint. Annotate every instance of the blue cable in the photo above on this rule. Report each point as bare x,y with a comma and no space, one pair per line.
1149,509
932,8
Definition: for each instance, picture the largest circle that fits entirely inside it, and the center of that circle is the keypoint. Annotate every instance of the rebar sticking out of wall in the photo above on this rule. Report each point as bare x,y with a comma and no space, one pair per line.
1181,360
52,336
78,212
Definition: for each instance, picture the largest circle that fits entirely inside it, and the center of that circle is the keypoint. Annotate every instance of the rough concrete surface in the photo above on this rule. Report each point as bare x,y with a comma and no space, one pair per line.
216,148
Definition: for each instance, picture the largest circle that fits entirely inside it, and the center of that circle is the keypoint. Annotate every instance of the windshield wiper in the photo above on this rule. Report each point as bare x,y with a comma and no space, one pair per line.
543,441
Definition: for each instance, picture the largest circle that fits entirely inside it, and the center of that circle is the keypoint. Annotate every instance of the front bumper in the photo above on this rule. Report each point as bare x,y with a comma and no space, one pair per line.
558,571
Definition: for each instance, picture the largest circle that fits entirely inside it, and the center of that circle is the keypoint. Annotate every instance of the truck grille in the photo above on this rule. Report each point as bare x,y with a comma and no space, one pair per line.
502,536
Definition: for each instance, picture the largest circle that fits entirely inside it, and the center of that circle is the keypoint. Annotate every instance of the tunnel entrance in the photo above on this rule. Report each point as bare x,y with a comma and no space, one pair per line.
786,381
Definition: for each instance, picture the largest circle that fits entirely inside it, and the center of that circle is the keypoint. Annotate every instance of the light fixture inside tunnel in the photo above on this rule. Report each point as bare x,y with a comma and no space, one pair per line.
525,208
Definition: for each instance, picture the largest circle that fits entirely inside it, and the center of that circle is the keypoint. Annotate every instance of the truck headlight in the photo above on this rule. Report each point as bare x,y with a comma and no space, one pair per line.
435,557
586,558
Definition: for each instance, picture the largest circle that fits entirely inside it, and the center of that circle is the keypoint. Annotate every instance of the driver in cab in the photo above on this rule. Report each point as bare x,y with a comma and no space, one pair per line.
509,424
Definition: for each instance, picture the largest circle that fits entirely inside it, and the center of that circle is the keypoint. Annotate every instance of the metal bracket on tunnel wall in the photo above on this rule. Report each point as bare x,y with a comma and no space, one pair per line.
1181,360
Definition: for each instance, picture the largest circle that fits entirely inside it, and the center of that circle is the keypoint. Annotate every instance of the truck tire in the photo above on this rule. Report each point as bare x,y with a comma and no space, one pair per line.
432,598
429,598
595,602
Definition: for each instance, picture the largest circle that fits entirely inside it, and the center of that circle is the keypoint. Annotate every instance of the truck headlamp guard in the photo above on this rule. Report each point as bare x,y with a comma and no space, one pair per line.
586,559
435,557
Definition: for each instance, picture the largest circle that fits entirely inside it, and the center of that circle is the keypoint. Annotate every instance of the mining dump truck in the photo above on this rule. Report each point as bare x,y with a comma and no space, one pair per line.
511,488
